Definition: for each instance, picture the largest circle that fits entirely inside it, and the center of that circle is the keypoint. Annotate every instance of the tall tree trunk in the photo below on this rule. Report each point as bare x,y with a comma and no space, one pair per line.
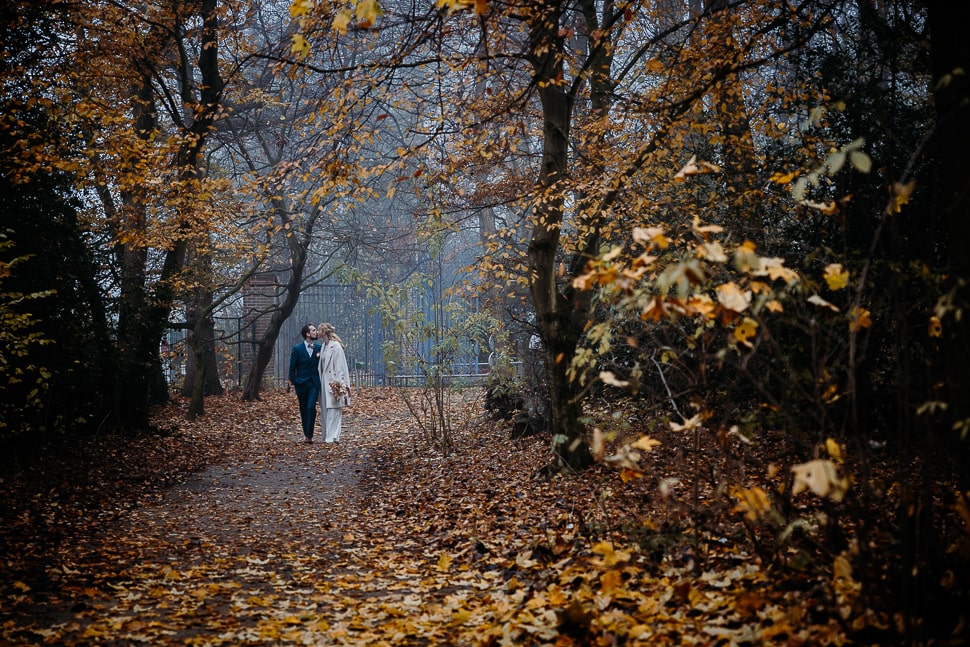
297,247
559,324
134,350
738,158
267,342
144,317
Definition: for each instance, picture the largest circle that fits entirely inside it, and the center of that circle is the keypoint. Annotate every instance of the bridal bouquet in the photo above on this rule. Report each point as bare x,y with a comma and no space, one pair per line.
339,390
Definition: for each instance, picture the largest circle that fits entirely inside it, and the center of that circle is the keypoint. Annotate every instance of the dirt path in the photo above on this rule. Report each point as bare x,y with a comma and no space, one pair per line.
241,552
264,496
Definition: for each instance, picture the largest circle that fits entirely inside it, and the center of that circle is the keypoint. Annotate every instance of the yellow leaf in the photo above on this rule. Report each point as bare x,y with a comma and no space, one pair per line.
935,328
646,443
20,586
610,580
753,502
611,556
836,277
299,46
899,196
655,65
341,21
300,8
859,318
746,330
834,449
368,11
783,178
444,562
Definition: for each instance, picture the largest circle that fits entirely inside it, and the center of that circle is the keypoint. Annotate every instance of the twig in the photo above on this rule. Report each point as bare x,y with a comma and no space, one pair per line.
663,379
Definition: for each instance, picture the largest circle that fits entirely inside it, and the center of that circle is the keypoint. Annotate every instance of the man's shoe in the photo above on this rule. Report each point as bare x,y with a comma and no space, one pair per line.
308,440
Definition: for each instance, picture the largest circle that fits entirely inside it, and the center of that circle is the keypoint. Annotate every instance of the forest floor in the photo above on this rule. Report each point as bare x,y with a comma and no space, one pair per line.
230,531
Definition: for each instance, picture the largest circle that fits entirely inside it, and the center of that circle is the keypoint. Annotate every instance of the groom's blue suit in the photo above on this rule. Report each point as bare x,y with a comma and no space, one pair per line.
306,382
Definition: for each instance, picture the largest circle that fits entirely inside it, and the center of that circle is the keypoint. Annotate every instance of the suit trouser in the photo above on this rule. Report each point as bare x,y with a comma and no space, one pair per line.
308,408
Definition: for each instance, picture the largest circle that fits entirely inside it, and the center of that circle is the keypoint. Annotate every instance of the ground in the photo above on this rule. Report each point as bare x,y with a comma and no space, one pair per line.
230,531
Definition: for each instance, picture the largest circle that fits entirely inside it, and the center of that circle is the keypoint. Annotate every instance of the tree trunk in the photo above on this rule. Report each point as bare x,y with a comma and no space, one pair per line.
297,248
135,345
556,319
266,344
738,158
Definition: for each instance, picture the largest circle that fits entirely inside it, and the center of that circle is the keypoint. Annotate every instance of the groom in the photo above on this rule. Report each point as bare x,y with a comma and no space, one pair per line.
305,378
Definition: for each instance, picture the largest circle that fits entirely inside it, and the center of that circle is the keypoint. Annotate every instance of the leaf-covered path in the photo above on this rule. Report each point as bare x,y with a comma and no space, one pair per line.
232,532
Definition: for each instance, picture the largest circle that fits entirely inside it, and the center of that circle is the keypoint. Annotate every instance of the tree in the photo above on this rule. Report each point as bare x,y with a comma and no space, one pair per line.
57,364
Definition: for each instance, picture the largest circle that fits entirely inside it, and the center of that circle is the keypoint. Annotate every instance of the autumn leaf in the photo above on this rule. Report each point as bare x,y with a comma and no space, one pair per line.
444,562
341,21
650,237
783,178
774,268
822,303
899,195
452,5
367,13
692,423
611,556
299,46
821,477
646,443
935,327
745,330
608,377
753,502
859,318
732,297
300,8
693,167
833,449
836,277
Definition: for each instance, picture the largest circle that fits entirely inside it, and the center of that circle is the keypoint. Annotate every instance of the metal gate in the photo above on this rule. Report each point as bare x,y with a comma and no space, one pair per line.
356,323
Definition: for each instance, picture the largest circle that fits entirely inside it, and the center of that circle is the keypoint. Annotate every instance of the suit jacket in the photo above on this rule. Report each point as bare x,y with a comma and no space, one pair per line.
303,366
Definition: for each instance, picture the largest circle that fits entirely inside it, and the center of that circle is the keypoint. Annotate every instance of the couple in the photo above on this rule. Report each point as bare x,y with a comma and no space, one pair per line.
313,365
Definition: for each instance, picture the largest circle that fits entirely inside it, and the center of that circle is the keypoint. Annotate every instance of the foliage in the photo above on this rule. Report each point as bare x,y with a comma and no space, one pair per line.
25,386
422,351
